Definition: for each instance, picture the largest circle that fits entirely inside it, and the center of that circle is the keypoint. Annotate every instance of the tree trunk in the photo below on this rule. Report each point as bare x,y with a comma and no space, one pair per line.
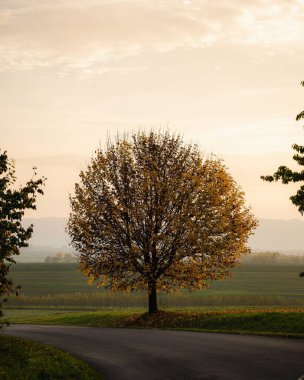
152,299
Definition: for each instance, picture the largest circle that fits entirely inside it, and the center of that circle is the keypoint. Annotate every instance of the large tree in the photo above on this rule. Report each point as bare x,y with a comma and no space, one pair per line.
13,236
287,175
151,213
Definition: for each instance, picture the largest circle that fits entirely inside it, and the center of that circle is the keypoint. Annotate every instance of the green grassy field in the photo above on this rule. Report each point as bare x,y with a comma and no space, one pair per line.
276,322
42,279
257,299
62,286
22,359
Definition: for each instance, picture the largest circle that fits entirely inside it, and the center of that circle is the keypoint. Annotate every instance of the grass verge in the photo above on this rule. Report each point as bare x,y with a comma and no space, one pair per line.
276,322
28,360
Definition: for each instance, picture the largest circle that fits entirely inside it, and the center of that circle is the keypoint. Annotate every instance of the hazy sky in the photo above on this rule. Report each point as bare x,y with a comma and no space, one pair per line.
225,74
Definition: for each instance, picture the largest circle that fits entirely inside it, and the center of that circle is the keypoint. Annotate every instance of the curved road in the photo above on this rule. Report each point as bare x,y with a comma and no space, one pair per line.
123,354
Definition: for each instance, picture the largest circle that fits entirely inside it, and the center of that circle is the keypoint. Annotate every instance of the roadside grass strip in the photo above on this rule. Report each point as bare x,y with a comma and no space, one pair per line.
277,322
22,359
290,324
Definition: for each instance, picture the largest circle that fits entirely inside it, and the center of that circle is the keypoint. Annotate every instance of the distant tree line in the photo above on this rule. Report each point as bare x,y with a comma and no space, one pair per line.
60,257
272,258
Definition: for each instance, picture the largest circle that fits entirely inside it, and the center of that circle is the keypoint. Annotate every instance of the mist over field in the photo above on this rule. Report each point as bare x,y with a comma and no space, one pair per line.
284,236
49,238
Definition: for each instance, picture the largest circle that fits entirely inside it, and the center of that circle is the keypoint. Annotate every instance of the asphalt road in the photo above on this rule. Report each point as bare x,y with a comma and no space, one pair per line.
123,354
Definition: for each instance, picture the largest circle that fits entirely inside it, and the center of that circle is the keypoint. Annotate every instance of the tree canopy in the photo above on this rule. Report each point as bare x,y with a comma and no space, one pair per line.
13,236
286,175
151,213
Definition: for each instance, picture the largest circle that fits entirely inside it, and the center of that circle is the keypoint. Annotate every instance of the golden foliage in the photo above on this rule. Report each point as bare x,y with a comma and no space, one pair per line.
149,211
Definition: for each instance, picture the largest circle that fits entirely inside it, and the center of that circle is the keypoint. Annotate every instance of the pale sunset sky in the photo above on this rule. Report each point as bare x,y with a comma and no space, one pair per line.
225,74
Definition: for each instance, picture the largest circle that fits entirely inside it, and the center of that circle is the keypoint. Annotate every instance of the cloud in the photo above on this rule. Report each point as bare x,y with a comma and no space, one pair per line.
87,36
278,24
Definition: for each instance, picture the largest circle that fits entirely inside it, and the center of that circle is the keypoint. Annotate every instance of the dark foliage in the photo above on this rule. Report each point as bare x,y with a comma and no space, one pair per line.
13,236
286,175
